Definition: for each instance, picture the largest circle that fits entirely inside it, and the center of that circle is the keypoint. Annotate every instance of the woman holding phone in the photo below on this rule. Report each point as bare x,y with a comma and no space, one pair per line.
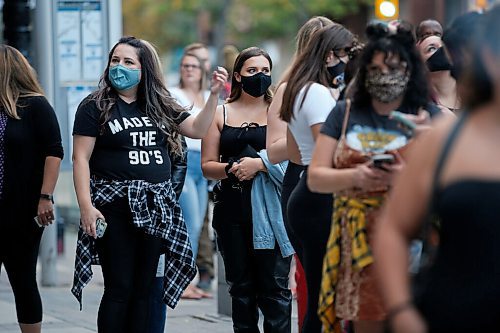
123,134
348,162
30,155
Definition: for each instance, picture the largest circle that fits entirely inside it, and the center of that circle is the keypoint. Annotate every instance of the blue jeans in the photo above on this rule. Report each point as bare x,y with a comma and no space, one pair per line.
194,198
158,309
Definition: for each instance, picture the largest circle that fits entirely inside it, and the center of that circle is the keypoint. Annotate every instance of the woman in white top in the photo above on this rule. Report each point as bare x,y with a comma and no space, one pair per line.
277,151
309,96
192,93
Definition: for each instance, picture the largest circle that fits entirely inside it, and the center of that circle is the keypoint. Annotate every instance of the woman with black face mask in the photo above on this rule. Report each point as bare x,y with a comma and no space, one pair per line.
443,85
247,217
355,137
312,91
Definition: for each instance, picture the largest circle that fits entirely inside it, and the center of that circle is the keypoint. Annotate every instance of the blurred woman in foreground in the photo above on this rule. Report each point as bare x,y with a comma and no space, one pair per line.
455,168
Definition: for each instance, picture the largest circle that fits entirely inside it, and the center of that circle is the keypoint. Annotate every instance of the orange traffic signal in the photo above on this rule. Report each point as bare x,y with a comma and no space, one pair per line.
482,4
387,9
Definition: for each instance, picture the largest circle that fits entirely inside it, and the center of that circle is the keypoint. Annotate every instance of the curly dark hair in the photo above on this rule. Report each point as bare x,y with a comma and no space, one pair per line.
401,43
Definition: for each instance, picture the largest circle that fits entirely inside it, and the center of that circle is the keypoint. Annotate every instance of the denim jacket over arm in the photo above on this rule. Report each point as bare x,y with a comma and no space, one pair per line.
267,218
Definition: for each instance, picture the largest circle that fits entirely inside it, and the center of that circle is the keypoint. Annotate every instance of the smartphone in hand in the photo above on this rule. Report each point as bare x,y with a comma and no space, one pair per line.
380,159
38,222
400,118
100,227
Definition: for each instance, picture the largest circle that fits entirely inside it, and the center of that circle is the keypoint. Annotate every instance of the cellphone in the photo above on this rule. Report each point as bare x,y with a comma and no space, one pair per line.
380,159
100,227
400,117
38,222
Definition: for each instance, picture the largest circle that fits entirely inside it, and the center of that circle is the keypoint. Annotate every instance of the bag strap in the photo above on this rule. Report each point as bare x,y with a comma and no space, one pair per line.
445,151
346,116
427,252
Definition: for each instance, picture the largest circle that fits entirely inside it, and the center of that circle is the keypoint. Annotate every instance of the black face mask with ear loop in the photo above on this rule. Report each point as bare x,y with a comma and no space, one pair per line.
337,73
337,70
439,61
256,85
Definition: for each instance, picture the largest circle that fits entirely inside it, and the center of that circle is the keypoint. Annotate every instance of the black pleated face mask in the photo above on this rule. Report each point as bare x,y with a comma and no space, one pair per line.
256,85
439,61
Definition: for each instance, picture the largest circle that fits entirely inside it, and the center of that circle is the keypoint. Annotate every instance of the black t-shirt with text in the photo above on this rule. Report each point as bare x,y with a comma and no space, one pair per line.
368,131
131,147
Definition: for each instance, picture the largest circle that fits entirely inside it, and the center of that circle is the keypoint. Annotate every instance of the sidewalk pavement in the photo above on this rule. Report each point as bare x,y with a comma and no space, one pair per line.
62,314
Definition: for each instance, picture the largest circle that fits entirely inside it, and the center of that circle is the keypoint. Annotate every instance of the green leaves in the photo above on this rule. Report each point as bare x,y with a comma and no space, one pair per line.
175,23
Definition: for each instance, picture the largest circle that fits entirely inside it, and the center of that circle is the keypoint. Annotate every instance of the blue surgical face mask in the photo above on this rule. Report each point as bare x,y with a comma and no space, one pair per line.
123,78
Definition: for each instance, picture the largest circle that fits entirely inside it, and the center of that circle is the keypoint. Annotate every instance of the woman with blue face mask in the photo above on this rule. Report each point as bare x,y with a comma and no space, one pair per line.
253,244
123,135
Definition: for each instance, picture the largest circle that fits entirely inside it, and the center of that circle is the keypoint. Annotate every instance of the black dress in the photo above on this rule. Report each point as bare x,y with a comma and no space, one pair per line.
463,290
258,279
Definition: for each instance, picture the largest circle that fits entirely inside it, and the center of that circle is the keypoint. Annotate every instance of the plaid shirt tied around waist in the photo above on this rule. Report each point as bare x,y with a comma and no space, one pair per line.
163,220
352,212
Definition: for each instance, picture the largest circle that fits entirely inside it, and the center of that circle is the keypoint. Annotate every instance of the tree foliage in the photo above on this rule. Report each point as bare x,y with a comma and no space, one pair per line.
173,23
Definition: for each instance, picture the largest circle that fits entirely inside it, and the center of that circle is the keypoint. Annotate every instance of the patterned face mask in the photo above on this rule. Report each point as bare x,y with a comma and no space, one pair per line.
386,87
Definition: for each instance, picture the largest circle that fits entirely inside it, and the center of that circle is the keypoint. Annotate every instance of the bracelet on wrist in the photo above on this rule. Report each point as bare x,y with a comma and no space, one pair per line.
397,309
47,197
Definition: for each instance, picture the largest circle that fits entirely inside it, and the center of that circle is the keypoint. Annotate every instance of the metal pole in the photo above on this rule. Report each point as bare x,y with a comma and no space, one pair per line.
115,23
17,25
44,64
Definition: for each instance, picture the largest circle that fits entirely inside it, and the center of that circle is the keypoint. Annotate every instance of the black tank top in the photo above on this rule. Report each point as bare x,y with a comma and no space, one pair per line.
462,293
233,140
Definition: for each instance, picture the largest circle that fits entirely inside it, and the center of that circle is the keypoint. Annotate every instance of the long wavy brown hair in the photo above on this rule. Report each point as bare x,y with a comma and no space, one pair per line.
310,66
17,79
153,97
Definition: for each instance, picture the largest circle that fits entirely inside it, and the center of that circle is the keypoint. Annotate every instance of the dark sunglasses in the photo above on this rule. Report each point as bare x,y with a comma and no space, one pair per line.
344,52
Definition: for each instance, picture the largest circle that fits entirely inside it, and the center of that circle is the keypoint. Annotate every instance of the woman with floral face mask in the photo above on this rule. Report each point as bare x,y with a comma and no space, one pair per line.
256,262
357,136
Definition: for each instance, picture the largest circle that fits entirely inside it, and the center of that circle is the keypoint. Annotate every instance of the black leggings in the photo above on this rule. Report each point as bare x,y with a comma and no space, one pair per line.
129,259
18,254
290,180
309,217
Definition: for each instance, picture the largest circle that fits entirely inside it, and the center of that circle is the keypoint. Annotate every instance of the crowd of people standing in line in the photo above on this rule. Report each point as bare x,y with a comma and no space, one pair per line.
367,148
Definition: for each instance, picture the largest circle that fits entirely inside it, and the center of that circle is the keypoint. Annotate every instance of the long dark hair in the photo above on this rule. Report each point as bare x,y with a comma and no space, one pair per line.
153,97
310,66
401,43
244,55
459,39
476,86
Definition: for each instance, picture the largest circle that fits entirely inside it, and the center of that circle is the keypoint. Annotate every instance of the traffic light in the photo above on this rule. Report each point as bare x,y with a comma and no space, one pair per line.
482,4
387,9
